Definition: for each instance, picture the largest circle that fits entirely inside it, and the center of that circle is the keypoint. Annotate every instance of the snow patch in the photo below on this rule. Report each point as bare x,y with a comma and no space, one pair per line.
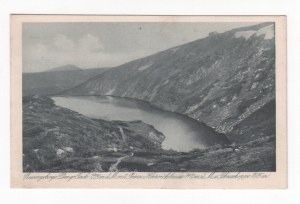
267,31
144,67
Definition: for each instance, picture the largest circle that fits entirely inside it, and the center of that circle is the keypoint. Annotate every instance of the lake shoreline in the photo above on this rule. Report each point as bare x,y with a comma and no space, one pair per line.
182,133
48,128
143,101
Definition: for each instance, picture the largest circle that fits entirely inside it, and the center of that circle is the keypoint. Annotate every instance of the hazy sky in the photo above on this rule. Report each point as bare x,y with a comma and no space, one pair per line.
97,45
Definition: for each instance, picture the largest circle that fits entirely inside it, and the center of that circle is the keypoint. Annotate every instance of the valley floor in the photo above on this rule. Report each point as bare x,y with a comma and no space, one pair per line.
56,139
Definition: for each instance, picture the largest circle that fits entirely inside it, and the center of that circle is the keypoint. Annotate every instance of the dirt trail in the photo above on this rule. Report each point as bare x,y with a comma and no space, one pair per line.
114,167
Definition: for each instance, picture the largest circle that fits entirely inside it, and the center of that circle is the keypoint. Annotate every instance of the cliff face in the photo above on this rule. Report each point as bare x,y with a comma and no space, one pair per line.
220,80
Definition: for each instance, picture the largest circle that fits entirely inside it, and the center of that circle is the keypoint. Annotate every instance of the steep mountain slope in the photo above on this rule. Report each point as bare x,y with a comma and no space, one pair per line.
55,81
220,80
260,123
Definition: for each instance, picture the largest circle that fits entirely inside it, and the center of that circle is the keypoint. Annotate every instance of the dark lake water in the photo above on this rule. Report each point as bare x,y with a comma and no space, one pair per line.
182,133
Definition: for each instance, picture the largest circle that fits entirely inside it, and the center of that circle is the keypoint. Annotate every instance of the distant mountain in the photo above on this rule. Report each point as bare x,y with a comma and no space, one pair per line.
64,68
57,80
220,80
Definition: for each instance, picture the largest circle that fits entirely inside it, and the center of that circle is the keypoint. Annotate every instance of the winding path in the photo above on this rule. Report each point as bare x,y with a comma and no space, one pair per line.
114,167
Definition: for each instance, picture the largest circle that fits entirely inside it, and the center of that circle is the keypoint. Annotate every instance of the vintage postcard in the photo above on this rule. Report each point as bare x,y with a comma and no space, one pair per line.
148,101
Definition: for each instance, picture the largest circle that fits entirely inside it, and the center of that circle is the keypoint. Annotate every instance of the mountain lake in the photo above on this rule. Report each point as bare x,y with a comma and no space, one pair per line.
182,133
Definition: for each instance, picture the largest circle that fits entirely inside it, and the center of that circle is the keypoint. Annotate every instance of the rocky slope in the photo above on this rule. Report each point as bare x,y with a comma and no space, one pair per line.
56,80
56,139
220,80
52,134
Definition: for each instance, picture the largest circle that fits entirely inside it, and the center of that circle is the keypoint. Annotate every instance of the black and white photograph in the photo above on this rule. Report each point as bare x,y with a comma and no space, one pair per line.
121,97
148,97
